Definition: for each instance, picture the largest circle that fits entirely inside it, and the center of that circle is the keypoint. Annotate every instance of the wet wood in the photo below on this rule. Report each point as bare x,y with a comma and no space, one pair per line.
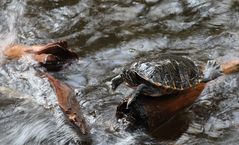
16,51
158,110
231,66
52,56
68,103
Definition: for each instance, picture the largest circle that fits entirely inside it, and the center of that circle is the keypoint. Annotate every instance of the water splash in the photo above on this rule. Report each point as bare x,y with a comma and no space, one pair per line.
30,108
10,16
24,122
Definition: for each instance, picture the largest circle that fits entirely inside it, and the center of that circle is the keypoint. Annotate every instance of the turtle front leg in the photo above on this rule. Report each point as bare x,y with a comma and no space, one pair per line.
142,89
116,81
212,71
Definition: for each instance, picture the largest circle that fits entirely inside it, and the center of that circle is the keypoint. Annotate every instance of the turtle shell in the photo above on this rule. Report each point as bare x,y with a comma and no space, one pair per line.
169,71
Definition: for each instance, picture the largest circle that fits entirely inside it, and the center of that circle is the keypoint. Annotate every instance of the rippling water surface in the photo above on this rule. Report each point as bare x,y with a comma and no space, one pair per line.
108,34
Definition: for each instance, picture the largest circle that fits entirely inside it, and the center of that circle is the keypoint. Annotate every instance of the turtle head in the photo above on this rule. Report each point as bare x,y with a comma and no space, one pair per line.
116,81
212,71
130,77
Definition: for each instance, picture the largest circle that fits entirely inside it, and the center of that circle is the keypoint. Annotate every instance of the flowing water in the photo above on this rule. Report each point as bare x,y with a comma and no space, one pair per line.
108,34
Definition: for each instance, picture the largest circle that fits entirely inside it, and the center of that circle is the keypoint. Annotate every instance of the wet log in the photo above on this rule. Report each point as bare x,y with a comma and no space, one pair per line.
68,103
52,56
152,112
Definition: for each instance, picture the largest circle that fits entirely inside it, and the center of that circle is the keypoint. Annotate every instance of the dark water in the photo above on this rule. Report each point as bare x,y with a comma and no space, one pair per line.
108,34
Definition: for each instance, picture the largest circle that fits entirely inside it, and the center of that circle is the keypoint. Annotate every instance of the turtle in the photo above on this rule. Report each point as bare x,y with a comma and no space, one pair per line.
164,75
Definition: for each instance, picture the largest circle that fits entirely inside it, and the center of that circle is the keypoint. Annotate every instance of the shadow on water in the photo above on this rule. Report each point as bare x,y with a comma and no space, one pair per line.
108,35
